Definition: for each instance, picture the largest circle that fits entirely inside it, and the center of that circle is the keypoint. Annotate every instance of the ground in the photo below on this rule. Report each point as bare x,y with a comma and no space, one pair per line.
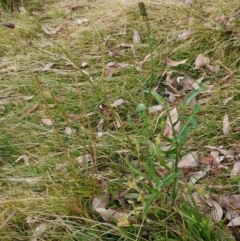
109,116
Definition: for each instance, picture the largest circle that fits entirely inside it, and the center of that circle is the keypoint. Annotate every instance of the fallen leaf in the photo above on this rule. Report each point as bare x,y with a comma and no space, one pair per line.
217,212
173,63
213,68
140,64
100,125
172,119
22,10
234,222
232,201
236,169
189,160
32,180
47,121
38,231
100,201
136,37
154,109
196,176
84,159
227,153
30,97
227,100
126,45
117,103
211,162
29,111
109,215
186,83
81,21
68,130
48,66
226,125
201,61
170,96
51,30
186,34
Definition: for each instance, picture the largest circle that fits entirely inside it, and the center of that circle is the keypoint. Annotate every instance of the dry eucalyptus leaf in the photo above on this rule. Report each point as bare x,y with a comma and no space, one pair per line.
27,98
196,176
109,215
234,222
171,97
136,37
184,35
125,45
217,212
48,66
38,231
226,125
227,100
236,169
32,180
47,121
85,159
51,30
117,103
29,111
156,108
227,153
22,10
100,125
140,64
68,130
173,63
172,119
189,160
81,21
100,201
201,61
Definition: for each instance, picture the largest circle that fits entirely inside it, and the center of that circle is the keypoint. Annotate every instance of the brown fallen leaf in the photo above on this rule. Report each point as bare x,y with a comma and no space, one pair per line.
211,162
29,111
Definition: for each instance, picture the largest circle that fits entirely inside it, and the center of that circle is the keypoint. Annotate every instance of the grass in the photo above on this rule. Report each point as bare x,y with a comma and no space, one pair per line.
50,191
